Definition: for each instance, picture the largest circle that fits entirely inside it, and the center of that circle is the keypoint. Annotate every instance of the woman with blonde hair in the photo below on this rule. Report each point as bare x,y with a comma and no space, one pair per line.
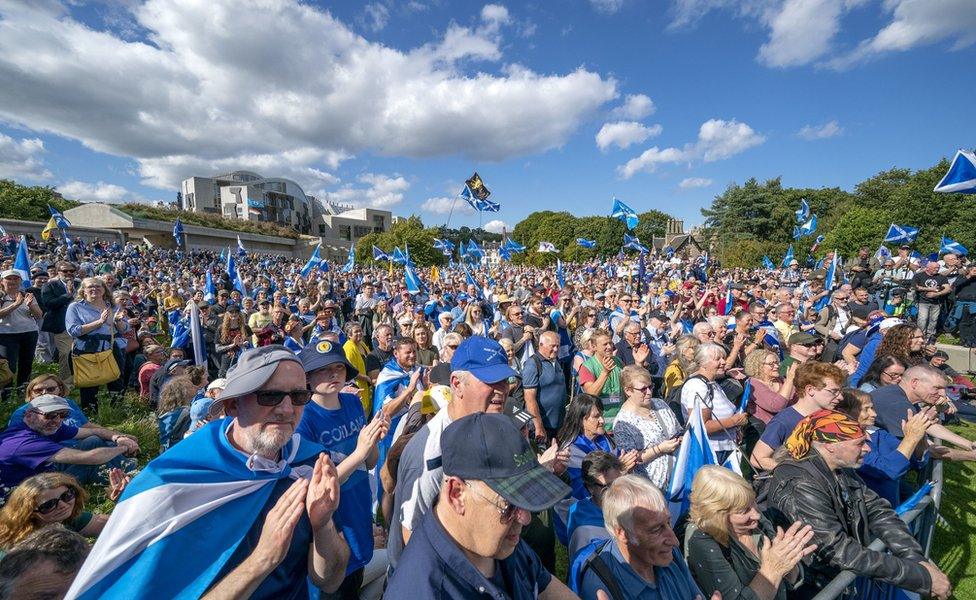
770,392
680,366
732,548
49,383
96,325
355,350
48,499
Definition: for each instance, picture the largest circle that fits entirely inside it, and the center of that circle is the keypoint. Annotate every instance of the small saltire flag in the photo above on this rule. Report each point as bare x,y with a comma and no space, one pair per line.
475,193
210,290
445,246
22,263
914,499
882,254
729,300
505,253
546,247
746,391
401,257
474,250
961,176
624,213
514,246
59,219
234,274
379,254
585,243
949,246
633,243
809,227
767,264
901,234
803,213
178,232
313,261
350,260
668,251
789,256
413,282
560,276
241,250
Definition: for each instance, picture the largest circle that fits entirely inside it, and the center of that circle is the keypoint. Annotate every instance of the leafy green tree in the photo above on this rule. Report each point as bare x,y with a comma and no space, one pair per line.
29,203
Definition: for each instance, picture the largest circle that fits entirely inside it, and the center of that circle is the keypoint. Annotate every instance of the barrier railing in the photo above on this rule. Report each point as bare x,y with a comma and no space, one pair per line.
925,512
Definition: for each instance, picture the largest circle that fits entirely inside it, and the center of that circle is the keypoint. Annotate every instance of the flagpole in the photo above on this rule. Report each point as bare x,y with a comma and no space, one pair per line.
450,213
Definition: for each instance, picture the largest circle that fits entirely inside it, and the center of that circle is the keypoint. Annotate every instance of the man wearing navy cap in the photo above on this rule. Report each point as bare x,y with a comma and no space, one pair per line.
479,382
470,545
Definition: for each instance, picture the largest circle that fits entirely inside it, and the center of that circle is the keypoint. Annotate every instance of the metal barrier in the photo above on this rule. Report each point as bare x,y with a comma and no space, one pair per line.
927,508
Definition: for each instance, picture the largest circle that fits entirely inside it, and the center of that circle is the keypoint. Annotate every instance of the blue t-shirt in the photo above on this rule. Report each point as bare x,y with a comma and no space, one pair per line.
550,384
338,431
780,427
25,453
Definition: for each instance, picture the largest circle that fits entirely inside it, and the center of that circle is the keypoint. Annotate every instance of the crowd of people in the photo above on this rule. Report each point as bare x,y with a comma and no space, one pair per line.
336,435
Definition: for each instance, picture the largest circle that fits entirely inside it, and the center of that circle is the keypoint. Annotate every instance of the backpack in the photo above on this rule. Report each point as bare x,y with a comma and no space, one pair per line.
589,558
674,398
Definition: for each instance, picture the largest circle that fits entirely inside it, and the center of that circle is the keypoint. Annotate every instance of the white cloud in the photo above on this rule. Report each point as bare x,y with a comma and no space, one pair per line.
607,7
97,192
801,31
694,182
197,96
495,15
635,106
442,205
376,16
496,226
382,191
820,132
914,23
21,160
717,140
624,133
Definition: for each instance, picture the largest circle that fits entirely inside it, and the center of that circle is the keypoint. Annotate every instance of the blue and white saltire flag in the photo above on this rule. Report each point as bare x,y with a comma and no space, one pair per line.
241,250
746,392
624,213
796,232
59,219
413,282
379,254
546,247
668,251
914,499
178,232
234,274
817,242
767,264
695,452
196,336
961,177
809,227
293,344
474,250
180,329
445,246
803,213
949,246
505,253
22,262
585,243
479,204
901,234
390,383
882,254
560,276
789,256
210,290
514,246
198,498
633,243
729,300
350,260
400,257
313,261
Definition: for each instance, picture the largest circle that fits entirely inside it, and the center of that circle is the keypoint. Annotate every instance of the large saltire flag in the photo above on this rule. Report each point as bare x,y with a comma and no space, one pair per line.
379,254
350,260
809,227
445,246
178,232
949,246
474,251
585,243
210,290
624,213
694,453
413,282
22,263
513,246
196,499
313,261
235,275
767,264
475,193
401,257
901,234
803,213
241,250
633,243
961,176
59,221
789,256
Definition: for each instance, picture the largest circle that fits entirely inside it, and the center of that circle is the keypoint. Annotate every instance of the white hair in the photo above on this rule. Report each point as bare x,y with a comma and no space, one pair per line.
625,494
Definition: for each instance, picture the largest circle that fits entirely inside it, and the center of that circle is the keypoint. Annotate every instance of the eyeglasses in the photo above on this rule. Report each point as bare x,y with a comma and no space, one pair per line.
452,346
895,376
643,390
46,507
507,510
61,414
772,364
46,389
276,397
833,392
68,271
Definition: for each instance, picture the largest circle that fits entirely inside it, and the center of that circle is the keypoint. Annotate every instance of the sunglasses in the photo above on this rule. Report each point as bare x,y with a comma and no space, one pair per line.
46,507
276,397
61,414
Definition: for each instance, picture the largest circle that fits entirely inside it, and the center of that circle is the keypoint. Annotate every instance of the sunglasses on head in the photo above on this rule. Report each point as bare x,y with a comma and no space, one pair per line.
46,507
276,397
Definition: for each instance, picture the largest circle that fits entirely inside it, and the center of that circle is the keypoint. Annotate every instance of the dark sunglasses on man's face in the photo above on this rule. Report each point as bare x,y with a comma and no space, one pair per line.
61,414
46,507
276,397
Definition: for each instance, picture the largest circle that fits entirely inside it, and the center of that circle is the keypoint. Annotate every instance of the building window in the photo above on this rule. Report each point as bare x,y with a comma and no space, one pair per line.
360,230
345,232
321,228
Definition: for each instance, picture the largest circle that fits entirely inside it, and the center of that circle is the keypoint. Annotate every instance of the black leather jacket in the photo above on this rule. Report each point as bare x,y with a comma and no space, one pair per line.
846,516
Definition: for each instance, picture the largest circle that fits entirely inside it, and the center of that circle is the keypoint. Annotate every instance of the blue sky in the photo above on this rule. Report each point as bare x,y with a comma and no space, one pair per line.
558,104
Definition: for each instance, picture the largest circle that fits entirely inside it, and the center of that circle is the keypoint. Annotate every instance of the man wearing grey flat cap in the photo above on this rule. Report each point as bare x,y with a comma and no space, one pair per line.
263,525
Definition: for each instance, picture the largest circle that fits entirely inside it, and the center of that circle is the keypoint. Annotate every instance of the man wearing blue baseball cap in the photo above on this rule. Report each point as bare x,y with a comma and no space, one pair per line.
479,383
337,421
470,545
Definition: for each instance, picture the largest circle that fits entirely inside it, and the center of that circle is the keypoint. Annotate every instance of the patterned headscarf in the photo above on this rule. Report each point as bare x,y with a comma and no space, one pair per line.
822,426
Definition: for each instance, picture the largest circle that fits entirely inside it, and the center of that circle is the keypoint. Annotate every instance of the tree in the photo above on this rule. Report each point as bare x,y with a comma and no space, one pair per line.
29,203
